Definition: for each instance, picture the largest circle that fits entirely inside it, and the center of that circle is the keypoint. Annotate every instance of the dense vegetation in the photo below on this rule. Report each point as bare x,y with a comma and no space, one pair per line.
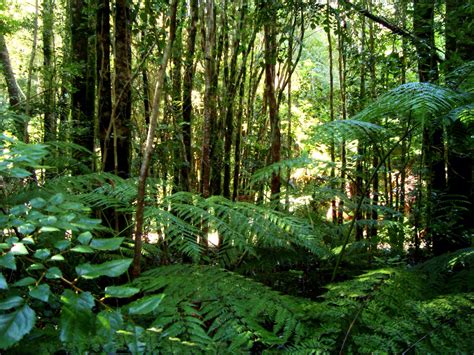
236,176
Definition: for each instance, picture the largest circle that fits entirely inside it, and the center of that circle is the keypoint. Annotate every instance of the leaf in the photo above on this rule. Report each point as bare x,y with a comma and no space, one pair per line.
82,249
42,254
14,326
19,210
3,282
108,323
77,321
35,266
38,202
18,249
54,273
26,228
8,261
145,305
110,268
11,302
57,257
26,281
62,244
121,291
41,292
84,238
48,221
57,199
106,243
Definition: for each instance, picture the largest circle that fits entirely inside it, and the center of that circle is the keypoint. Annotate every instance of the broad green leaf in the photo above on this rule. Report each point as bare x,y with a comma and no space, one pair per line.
35,266
57,199
20,173
112,268
40,292
48,221
62,244
8,261
121,291
18,249
26,228
132,337
84,238
3,282
11,302
46,229
57,257
145,305
28,240
15,325
38,202
77,319
82,249
108,323
106,243
42,253
26,281
54,273
18,210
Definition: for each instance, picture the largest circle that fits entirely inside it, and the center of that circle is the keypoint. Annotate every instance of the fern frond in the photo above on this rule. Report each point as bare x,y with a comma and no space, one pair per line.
419,99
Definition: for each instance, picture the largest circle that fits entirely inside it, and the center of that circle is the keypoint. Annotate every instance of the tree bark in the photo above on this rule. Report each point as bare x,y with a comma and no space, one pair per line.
136,265
82,106
209,39
122,89
50,125
275,134
15,95
187,109
104,82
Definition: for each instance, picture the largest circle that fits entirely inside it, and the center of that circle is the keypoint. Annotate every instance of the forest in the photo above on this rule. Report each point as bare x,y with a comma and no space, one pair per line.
248,176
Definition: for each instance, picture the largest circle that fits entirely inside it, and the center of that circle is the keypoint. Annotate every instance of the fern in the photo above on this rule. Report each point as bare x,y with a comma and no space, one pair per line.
419,99
218,310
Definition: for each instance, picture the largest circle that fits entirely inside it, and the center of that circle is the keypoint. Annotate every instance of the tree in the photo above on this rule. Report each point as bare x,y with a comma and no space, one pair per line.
83,84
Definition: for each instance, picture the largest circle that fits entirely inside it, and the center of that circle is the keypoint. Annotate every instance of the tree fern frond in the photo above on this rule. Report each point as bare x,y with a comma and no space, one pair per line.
218,309
420,99
347,130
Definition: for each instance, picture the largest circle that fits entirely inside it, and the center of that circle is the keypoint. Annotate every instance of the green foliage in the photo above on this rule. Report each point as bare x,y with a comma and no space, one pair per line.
61,286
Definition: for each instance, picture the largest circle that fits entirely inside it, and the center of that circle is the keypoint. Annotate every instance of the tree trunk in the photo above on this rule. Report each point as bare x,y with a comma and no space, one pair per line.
15,94
50,126
187,109
433,145
121,118
209,39
104,109
82,106
139,215
275,134
459,49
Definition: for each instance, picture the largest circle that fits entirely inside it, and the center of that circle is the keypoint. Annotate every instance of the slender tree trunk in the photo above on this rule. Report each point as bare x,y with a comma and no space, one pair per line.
50,126
275,134
231,90
82,107
136,266
460,49
331,109
15,95
433,144
121,118
186,170
342,85
104,91
179,154
209,39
